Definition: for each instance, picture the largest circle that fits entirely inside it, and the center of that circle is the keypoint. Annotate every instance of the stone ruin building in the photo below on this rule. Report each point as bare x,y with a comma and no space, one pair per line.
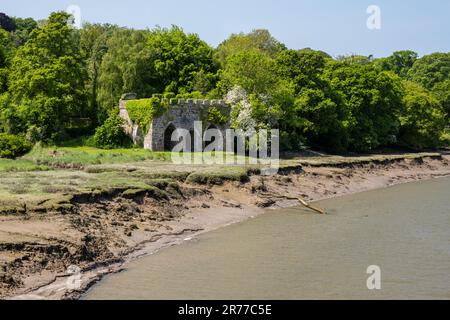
181,115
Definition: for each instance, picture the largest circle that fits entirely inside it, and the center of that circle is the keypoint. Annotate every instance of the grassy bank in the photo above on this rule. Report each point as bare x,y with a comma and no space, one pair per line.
49,178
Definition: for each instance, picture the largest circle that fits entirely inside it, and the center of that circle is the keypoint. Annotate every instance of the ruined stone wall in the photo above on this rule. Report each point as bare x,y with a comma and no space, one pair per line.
182,115
131,129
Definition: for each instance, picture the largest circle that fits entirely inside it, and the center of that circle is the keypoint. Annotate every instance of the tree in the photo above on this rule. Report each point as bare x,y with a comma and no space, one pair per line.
371,103
3,62
22,32
47,78
355,59
257,40
430,70
316,114
149,62
7,23
182,62
422,120
94,45
125,67
399,62
252,70
442,93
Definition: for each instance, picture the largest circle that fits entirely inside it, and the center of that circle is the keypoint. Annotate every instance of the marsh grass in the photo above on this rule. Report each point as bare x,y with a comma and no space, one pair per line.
20,165
84,156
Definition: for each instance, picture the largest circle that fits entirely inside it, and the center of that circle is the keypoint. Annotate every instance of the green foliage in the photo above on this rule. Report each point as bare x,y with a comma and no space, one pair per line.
431,70
257,40
125,67
7,23
12,146
3,61
47,78
22,32
399,62
216,116
371,101
148,62
143,111
111,134
251,70
93,46
57,83
442,93
181,62
355,59
315,117
423,120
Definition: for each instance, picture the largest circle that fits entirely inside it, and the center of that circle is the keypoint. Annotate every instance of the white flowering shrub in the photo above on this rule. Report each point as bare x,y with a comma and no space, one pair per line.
241,108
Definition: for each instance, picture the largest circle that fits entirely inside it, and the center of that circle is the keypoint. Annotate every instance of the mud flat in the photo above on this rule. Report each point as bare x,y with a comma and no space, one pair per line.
100,232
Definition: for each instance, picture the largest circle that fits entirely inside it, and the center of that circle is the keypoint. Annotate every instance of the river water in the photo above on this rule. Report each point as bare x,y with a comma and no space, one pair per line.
297,254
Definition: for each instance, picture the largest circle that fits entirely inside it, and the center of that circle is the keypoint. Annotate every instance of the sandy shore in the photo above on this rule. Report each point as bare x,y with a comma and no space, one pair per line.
104,235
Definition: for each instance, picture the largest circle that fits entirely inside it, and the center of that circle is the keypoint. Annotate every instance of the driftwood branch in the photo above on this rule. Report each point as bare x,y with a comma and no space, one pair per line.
303,202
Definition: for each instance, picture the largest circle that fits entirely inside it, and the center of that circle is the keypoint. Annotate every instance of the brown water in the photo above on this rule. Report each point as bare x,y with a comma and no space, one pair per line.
296,254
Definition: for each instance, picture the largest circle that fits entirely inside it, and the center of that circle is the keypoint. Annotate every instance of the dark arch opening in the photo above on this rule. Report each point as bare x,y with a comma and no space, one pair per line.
207,143
168,143
192,137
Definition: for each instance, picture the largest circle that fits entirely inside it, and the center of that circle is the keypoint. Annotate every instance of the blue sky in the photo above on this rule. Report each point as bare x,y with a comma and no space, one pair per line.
337,27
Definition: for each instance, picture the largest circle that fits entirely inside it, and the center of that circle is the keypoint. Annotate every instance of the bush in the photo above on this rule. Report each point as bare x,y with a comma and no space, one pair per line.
111,134
12,146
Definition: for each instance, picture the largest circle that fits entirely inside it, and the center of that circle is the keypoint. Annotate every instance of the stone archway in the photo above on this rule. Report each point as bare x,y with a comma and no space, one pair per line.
168,143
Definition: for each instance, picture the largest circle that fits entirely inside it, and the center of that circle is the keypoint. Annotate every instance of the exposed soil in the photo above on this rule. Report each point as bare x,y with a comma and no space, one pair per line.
100,233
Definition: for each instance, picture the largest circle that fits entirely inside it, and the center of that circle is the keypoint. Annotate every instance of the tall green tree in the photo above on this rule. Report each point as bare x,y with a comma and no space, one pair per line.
125,67
258,40
442,92
316,114
47,79
422,120
3,62
94,45
182,62
22,31
252,70
371,101
430,70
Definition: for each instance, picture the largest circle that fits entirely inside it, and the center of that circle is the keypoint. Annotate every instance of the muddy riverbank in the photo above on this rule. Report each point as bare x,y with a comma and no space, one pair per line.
101,233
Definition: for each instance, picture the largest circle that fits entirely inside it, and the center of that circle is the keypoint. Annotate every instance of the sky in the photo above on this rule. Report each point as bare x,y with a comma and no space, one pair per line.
335,26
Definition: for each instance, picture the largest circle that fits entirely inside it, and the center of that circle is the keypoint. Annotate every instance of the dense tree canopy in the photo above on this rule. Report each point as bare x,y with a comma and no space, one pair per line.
371,102
181,61
7,23
257,40
422,120
431,70
315,116
399,62
56,82
47,79
149,62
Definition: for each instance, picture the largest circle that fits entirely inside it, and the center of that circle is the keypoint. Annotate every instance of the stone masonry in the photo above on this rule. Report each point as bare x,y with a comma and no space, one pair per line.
181,115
